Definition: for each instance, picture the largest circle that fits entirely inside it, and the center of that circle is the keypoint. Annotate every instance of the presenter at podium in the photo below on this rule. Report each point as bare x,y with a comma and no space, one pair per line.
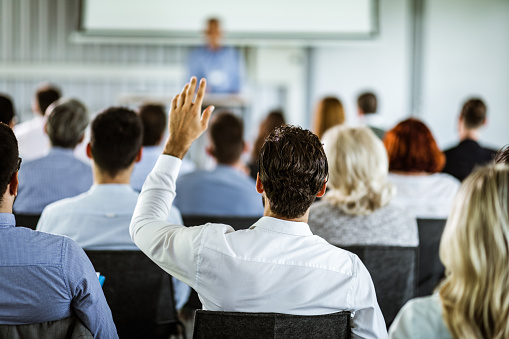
222,66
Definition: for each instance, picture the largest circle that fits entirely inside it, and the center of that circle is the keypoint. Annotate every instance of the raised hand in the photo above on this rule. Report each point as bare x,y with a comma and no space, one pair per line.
186,122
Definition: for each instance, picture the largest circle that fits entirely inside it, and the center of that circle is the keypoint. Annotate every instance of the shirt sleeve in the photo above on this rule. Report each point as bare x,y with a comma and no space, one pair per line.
175,248
368,321
88,301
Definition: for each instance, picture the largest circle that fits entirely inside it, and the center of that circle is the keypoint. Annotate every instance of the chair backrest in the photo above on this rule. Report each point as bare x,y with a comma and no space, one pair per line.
139,293
238,223
209,324
431,270
394,273
68,328
27,220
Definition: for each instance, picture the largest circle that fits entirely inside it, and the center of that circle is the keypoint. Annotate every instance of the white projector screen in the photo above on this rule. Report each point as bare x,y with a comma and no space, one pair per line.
260,19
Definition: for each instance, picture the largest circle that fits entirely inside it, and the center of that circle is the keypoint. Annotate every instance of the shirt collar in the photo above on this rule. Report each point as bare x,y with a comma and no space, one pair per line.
60,150
7,220
282,226
112,188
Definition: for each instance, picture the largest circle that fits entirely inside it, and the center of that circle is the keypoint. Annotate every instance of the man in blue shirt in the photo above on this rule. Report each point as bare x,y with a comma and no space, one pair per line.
222,66
227,190
60,174
43,277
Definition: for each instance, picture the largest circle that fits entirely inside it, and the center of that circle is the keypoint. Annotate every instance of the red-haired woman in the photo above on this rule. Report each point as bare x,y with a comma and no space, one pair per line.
415,163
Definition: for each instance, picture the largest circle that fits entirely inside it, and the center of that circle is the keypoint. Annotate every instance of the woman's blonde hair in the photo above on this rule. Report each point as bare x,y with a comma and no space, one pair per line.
358,168
329,112
474,251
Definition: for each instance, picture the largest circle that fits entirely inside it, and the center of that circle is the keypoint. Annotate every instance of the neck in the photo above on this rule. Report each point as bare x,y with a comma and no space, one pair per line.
472,134
239,166
102,177
267,212
5,209
6,202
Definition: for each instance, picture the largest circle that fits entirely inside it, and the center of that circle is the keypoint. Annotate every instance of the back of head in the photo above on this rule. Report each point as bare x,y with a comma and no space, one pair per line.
274,119
8,157
367,103
153,118
46,95
474,250
115,139
226,133
358,168
329,112
473,113
292,169
412,148
6,109
67,121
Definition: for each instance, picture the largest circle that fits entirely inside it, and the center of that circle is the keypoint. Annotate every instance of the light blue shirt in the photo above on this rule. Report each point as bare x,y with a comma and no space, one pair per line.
45,277
54,177
224,191
223,68
99,220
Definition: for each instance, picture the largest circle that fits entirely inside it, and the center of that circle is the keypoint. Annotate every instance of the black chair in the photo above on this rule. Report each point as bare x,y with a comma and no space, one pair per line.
238,223
139,293
27,220
394,271
68,328
212,325
431,270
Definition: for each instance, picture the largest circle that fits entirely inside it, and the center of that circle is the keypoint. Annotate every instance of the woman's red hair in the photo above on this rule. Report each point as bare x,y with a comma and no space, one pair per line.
412,148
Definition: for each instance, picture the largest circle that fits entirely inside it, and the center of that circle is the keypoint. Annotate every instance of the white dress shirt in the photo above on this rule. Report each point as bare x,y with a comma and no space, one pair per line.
33,142
274,266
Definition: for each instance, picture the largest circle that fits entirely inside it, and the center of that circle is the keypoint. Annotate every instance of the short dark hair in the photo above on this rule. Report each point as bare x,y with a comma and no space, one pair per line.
292,168
8,155
67,121
115,139
226,132
46,95
367,103
6,109
153,118
502,156
473,113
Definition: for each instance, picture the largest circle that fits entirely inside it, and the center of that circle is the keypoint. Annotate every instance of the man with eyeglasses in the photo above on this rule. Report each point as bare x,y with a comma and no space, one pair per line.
43,277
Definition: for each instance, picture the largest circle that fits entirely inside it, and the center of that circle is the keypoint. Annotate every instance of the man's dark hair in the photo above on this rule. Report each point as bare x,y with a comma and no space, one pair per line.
6,109
46,95
8,157
226,132
502,156
292,168
67,121
473,113
367,103
115,139
153,118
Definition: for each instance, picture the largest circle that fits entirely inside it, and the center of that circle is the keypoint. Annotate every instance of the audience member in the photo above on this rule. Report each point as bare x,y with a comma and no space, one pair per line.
7,113
461,159
33,141
329,112
227,190
502,156
277,265
415,163
59,174
43,277
153,118
366,109
274,119
356,210
99,219
473,300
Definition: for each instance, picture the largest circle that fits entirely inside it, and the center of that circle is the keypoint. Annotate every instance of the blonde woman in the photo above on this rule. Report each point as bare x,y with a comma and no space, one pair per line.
329,112
356,210
473,301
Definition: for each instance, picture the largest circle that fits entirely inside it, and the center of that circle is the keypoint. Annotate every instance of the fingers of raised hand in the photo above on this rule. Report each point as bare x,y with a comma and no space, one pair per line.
182,97
190,93
201,93
206,116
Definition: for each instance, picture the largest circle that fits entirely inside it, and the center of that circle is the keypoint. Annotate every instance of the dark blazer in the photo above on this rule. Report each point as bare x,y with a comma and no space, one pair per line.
462,159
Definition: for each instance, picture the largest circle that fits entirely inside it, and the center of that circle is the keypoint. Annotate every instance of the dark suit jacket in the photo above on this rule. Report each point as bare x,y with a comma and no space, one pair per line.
462,159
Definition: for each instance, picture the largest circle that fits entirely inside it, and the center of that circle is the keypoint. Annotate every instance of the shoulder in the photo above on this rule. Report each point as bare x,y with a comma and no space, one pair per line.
445,179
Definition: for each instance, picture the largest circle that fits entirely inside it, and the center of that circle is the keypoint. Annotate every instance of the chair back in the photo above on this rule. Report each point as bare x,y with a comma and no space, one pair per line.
238,223
139,293
431,270
210,325
27,220
68,328
394,271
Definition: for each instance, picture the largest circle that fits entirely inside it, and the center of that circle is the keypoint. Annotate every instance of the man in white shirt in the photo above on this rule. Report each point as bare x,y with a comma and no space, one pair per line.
277,265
